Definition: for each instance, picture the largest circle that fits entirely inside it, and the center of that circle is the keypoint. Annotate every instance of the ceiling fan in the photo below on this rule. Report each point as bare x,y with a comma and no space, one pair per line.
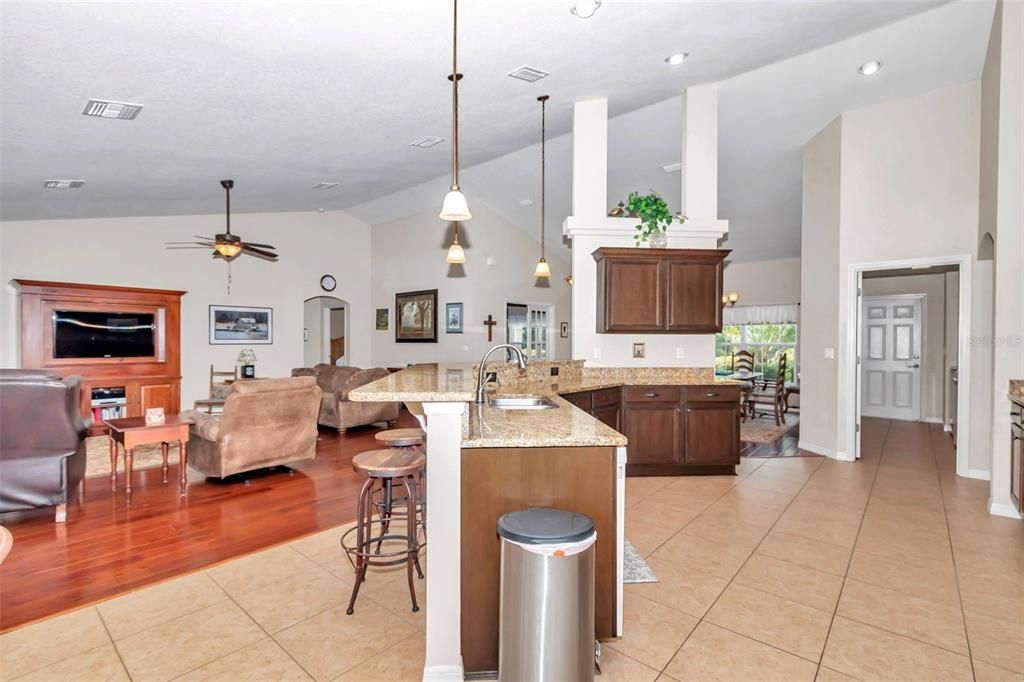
225,245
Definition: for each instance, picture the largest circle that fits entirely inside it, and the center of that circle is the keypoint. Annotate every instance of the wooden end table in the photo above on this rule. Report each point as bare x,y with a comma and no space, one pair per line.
133,431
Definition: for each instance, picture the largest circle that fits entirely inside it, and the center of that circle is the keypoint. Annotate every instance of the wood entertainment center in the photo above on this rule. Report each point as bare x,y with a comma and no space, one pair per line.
148,381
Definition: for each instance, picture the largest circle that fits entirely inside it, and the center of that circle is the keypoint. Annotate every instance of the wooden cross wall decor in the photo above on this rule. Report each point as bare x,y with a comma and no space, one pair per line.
490,322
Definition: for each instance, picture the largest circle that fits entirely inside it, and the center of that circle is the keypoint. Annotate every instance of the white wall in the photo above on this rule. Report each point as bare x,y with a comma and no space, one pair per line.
130,252
819,290
937,358
766,282
409,255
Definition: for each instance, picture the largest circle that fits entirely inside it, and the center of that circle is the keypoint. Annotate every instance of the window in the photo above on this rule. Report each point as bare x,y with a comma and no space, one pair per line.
766,341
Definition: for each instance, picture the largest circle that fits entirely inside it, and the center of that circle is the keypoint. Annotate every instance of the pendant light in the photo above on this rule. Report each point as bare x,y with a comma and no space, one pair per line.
455,207
455,253
543,269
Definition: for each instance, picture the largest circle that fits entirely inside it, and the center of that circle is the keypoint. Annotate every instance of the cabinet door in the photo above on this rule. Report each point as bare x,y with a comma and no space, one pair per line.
582,400
159,395
631,295
694,295
608,414
712,433
653,432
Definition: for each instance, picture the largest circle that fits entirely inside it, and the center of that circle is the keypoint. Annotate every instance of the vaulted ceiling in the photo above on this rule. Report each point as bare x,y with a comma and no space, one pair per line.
281,96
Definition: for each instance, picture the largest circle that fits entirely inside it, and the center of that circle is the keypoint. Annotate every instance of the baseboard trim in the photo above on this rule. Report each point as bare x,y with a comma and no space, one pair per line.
1003,509
932,420
443,673
979,474
822,450
948,428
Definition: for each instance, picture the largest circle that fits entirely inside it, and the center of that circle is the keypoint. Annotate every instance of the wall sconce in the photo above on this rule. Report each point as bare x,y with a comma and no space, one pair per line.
729,300
568,280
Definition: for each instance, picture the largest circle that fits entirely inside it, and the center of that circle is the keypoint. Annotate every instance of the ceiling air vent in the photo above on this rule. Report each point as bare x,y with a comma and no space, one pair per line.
427,141
326,185
528,74
63,184
102,108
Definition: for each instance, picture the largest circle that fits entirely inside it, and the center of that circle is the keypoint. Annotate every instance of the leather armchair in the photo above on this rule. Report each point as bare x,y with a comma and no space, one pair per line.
265,423
336,410
42,440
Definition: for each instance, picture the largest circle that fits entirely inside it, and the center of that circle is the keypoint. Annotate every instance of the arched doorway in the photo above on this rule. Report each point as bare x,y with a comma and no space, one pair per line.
325,331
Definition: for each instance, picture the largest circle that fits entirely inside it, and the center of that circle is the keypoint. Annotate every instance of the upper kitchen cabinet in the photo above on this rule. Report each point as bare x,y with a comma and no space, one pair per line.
667,291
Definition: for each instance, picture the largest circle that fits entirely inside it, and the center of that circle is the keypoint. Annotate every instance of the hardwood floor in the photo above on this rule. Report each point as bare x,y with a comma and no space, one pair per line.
108,547
783,446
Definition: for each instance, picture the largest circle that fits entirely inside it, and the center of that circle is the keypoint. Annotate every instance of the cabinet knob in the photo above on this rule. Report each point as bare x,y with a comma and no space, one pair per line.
711,395
651,395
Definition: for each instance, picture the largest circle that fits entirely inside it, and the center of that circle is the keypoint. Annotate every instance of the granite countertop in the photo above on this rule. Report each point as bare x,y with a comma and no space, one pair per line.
491,427
1016,393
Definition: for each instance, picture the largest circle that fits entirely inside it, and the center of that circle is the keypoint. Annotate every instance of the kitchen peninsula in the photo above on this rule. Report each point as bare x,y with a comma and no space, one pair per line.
484,461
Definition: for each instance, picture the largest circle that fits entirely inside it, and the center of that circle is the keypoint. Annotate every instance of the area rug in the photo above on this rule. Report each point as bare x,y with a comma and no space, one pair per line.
97,457
764,430
635,569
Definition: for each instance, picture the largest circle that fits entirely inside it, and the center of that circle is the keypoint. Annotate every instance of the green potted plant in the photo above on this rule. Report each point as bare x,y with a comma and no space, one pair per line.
655,218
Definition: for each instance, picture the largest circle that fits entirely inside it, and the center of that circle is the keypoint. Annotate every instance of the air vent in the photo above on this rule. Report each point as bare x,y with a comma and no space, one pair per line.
528,74
326,185
674,167
102,108
427,141
63,184
526,202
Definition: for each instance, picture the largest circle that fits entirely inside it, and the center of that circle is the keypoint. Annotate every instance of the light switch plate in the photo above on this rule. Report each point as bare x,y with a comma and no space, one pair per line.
830,353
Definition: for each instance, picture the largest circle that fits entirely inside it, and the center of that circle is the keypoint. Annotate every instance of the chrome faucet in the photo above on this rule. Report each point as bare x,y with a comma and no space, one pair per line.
481,378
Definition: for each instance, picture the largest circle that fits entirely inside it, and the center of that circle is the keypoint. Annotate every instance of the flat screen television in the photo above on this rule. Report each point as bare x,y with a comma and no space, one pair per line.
89,334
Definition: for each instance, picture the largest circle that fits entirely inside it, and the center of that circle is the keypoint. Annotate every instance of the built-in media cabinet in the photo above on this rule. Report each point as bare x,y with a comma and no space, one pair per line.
123,342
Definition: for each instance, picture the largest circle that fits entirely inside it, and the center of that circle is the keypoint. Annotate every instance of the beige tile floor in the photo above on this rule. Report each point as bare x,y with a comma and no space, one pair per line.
797,568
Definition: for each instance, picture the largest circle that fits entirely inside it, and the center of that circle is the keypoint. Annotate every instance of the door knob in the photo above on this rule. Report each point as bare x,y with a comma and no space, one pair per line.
914,365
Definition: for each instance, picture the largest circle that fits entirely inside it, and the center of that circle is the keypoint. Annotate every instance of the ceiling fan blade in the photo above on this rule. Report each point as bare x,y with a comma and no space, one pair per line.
198,246
261,246
259,253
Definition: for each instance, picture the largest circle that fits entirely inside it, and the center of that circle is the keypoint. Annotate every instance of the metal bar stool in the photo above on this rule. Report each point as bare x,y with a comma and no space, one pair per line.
393,465
400,438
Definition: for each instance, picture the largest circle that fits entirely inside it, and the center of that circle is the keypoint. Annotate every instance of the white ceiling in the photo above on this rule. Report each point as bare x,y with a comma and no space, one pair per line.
281,96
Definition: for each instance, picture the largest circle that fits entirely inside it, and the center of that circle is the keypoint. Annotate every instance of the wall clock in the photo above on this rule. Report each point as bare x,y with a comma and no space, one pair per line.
328,283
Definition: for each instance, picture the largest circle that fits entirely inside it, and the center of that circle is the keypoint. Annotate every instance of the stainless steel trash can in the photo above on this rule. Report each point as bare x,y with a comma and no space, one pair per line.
547,596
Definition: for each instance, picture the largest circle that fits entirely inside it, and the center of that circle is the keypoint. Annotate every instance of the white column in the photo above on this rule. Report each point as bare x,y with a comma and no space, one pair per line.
590,159
444,531
700,153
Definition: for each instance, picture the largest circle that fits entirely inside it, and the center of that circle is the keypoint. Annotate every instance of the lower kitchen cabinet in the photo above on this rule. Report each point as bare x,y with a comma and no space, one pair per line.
712,434
654,430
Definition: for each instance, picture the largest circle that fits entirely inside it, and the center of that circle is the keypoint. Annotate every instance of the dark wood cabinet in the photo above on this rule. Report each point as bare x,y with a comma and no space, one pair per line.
609,415
654,430
712,433
670,291
602,404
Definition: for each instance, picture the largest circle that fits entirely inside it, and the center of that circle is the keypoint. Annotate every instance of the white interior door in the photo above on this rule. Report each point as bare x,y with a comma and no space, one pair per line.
891,357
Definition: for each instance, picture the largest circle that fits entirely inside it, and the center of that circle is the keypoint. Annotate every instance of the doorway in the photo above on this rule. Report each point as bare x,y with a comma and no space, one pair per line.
528,326
891,358
907,354
325,331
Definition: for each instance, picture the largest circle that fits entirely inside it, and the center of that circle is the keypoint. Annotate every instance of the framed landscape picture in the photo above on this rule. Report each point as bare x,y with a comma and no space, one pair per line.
382,319
416,316
240,324
453,318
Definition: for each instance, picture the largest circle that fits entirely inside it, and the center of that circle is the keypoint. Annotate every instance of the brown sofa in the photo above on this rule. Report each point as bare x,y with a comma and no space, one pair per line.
336,410
265,423
42,440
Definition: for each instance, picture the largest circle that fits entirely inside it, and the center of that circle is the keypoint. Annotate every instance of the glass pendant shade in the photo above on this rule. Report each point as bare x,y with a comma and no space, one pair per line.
455,254
455,208
543,269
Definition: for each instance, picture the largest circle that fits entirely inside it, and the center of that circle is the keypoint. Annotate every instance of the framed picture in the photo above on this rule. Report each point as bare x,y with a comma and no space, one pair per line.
564,330
241,325
453,318
416,316
382,319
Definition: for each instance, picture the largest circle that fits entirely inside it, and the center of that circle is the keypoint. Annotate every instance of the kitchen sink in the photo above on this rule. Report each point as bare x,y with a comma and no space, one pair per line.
522,402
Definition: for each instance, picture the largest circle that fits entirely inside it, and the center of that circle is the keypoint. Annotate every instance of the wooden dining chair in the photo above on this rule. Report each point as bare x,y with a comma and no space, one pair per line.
743,361
771,392
219,387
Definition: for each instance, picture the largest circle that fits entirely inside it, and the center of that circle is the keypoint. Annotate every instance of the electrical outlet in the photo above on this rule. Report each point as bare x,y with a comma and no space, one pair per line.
597,353
680,352
554,371
830,353
465,348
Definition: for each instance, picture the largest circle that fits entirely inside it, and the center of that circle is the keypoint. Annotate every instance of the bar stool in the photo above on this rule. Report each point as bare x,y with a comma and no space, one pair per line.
393,465
400,438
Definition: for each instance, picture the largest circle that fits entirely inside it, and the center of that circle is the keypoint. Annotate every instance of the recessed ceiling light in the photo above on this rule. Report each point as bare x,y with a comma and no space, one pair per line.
63,184
526,202
326,185
427,141
677,59
586,8
528,74
870,68
674,167
102,108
